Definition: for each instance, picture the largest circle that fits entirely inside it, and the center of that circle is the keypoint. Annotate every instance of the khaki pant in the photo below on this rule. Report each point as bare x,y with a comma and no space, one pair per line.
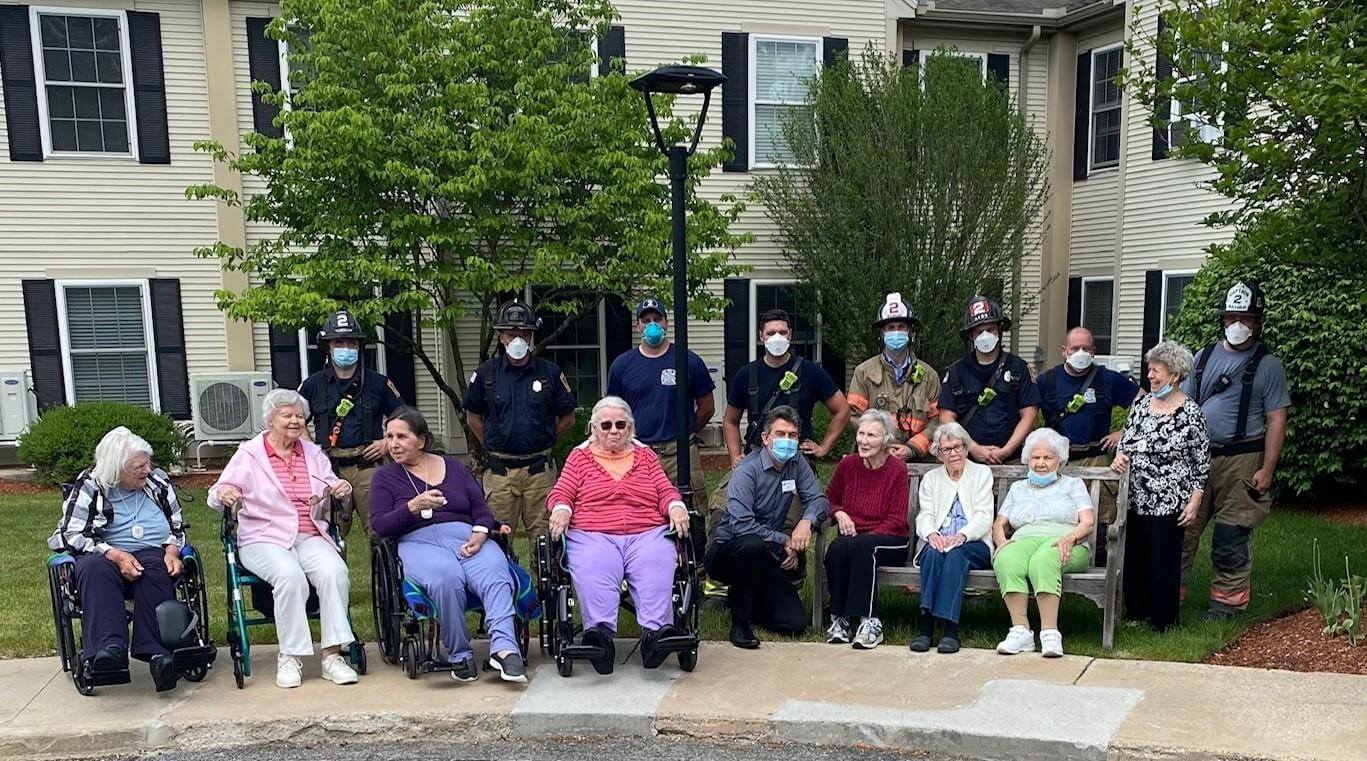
359,478
669,460
1236,508
1105,510
520,496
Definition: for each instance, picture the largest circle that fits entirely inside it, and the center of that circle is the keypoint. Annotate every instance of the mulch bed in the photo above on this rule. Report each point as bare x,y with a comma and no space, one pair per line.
12,486
1293,643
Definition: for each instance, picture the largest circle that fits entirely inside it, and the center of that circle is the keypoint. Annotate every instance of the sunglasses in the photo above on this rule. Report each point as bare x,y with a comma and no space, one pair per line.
608,425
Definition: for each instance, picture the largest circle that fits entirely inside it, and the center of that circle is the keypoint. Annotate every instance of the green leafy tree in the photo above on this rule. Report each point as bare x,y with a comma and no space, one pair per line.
1317,325
1272,95
930,185
441,156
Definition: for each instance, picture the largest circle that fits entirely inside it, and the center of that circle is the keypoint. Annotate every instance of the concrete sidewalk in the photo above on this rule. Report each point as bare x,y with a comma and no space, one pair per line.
976,704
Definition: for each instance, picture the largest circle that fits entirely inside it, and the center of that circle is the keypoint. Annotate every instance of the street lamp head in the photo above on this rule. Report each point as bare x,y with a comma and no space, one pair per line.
679,80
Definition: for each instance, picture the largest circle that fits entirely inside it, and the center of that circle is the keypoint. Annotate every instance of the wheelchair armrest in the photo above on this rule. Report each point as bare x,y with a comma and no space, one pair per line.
58,559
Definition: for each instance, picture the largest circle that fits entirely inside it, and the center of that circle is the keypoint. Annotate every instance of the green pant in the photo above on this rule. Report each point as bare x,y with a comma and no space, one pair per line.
1034,561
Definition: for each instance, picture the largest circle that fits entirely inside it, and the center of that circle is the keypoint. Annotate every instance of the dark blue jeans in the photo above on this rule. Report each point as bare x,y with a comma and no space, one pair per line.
943,576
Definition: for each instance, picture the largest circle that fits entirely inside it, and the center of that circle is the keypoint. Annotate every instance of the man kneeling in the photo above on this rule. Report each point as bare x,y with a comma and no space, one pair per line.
749,550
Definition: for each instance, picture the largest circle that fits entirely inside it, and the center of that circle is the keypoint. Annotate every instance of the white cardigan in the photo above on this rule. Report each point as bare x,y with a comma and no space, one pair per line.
936,497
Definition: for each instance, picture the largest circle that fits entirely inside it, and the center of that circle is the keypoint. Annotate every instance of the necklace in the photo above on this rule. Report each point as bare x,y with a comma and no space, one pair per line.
426,512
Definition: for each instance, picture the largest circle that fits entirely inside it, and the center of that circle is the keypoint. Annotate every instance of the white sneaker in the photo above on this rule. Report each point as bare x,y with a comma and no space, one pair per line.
869,635
289,672
1051,643
337,670
839,631
1019,639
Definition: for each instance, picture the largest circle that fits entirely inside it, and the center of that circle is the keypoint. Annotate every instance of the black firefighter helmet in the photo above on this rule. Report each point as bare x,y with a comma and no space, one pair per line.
341,324
514,315
981,311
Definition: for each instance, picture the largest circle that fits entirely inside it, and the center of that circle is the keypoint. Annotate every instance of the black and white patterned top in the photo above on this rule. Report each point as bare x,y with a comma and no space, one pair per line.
1169,456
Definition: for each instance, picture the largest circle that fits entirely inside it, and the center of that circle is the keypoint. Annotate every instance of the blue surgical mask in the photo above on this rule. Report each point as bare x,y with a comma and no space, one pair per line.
896,340
784,449
654,334
1042,479
342,357
1164,392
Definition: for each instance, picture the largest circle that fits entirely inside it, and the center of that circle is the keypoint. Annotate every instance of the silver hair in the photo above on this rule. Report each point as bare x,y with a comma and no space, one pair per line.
113,453
615,402
882,418
949,431
279,399
1171,355
1048,437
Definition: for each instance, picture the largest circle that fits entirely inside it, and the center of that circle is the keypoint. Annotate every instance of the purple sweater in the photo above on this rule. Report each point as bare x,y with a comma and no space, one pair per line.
390,490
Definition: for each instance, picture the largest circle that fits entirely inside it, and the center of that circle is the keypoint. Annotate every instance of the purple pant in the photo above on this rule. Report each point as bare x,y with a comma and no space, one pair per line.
599,562
102,592
431,557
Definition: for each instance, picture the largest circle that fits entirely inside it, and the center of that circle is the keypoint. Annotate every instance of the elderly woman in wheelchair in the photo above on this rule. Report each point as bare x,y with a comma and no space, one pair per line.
121,537
436,511
615,509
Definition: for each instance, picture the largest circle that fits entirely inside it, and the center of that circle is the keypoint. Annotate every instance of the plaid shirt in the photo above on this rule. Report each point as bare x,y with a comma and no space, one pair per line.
88,510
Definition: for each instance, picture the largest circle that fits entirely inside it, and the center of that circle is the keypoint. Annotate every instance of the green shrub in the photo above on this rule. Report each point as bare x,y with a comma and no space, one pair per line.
62,442
1316,325
574,437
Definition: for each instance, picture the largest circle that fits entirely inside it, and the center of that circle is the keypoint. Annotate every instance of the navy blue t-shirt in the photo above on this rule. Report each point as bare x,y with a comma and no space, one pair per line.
521,404
815,386
648,385
993,424
1092,423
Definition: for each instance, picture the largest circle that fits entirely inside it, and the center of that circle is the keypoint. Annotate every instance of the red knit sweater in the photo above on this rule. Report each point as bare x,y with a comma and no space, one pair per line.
876,500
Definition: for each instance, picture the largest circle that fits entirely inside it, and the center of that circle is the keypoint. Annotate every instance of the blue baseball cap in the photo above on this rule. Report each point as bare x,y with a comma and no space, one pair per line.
650,304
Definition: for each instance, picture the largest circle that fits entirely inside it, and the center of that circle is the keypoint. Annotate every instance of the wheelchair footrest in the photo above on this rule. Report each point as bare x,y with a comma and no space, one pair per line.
187,658
104,678
582,652
677,644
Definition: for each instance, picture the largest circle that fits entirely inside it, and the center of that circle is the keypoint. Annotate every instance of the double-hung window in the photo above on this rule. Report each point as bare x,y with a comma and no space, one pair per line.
84,72
930,60
783,69
106,333
806,337
1098,310
578,349
1105,107
1175,282
1185,125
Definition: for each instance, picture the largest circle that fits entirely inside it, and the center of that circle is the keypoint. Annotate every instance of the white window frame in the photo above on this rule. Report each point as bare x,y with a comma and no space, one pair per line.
40,80
754,318
755,39
1082,316
1091,112
1205,133
602,346
924,55
1163,298
148,340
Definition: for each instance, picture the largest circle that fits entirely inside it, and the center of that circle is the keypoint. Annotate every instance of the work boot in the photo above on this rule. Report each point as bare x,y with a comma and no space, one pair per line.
743,636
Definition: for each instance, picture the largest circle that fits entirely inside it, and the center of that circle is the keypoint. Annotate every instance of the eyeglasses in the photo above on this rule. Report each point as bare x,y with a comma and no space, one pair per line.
956,449
608,425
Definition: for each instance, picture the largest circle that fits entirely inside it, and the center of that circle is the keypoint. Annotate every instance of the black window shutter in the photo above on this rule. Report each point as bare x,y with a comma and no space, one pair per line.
735,98
833,49
1153,318
736,325
168,334
1082,115
1162,107
44,345
398,354
284,343
999,67
19,87
612,50
1074,302
617,328
911,58
263,59
149,88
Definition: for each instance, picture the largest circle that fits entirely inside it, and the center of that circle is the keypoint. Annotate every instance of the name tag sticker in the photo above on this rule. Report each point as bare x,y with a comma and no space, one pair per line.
789,486
1089,396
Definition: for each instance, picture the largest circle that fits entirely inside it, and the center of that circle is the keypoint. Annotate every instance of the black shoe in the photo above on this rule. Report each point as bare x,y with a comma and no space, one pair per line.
1220,614
464,670
947,645
920,643
601,638
111,658
510,667
651,654
164,674
743,636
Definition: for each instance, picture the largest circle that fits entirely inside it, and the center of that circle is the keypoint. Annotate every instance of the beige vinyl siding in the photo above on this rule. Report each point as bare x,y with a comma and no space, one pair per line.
1094,233
1162,216
106,216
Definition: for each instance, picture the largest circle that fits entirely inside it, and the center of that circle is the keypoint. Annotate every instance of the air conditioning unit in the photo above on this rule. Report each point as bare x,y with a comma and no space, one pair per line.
227,406
18,404
1122,365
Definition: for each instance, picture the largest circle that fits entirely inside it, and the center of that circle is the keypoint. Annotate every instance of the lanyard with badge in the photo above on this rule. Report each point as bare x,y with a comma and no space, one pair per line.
137,531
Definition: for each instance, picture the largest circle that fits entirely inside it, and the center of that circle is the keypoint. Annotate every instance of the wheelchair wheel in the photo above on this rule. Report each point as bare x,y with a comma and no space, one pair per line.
81,679
688,660
410,657
358,661
382,586
196,674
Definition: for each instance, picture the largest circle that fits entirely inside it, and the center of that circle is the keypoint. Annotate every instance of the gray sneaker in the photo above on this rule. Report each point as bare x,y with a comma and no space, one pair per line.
464,670
839,631
869,635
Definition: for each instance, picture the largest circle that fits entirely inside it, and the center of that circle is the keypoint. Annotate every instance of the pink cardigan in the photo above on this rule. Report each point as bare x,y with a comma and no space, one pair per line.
267,515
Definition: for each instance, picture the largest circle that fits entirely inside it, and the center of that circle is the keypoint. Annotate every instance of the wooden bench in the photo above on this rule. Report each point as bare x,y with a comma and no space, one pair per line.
1100,584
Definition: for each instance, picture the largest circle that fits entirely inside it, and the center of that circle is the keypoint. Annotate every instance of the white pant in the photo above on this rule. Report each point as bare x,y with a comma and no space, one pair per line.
312,560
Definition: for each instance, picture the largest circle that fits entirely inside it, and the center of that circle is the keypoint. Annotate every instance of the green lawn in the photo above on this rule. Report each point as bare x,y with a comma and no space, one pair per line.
1281,551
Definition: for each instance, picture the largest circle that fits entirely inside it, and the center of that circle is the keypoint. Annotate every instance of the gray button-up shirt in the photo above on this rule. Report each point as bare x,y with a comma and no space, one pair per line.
758,498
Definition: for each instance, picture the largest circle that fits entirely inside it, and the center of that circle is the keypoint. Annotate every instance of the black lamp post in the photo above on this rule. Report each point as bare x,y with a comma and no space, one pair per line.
680,80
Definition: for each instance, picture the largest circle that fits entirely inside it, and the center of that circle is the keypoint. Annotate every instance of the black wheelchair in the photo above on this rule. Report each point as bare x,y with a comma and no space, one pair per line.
559,630
183,624
262,601
408,623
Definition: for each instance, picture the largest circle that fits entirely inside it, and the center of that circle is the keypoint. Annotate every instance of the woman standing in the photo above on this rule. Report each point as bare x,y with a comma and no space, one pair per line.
1166,450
